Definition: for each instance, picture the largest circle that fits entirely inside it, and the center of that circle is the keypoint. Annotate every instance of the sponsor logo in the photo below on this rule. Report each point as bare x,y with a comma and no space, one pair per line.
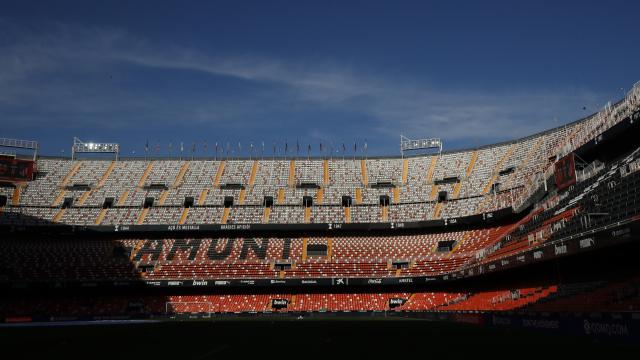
433,279
521,258
235,227
562,249
174,283
394,302
609,329
121,283
538,254
200,283
279,302
221,282
405,280
374,281
492,267
504,262
621,232
247,282
498,320
585,243
446,277
304,282
273,281
154,283
183,227
339,281
540,324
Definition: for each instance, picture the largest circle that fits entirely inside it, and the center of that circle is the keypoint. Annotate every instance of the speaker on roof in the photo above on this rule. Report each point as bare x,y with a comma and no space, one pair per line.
148,202
67,203
3,200
268,201
346,201
188,201
442,196
108,203
228,201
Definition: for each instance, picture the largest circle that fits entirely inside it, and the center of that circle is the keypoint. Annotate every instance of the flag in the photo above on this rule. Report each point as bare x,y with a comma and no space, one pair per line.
193,147
320,146
365,145
181,147
170,147
286,147
355,147
344,148
205,146
309,149
262,152
274,148
146,146
157,147
216,148
297,147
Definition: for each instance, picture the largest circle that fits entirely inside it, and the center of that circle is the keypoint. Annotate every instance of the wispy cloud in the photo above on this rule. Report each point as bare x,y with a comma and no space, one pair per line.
52,70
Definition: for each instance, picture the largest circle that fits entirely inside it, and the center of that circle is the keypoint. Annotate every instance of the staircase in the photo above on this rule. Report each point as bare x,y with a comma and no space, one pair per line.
405,170
347,214
363,168
216,181
225,215
183,217
385,213
325,177
266,215
101,216
292,173
307,214
142,216
146,173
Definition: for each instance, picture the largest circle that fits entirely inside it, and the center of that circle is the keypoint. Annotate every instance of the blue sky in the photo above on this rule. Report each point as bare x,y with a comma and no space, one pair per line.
471,73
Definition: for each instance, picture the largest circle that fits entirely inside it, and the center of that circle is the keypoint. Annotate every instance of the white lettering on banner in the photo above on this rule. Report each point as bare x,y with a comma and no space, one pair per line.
585,243
221,282
538,254
521,258
339,281
621,232
183,227
492,267
235,227
309,282
153,283
541,324
453,221
562,249
199,283
247,282
504,262
609,329
174,283
374,281
405,280
278,282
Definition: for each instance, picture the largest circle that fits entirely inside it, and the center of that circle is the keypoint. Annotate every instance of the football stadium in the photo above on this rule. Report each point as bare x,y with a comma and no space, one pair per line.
532,240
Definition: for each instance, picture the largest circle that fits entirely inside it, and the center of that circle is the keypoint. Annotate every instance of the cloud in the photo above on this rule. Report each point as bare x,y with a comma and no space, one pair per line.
52,71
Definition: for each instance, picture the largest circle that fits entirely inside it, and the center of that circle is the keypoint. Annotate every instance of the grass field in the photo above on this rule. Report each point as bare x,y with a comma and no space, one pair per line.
262,338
